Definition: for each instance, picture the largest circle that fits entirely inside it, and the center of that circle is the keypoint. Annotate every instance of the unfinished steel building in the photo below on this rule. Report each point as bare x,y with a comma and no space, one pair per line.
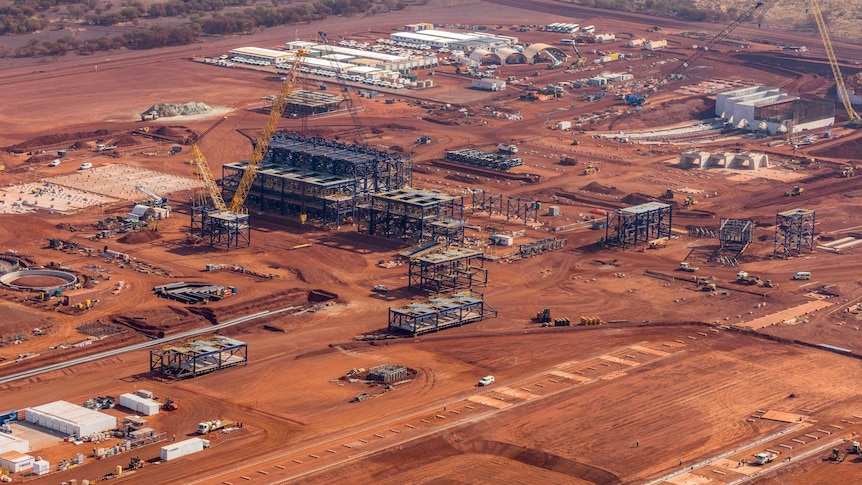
439,313
450,270
318,178
302,102
198,357
794,232
414,216
638,225
220,228
514,208
735,234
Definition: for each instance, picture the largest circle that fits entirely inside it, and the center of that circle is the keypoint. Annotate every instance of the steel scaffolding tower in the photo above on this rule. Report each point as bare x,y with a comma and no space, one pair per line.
450,270
414,216
735,234
794,232
221,228
638,224
439,313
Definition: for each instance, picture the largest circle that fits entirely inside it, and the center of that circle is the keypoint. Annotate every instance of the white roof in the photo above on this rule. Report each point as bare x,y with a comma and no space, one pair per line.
337,57
260,52
418,36
359,53
71,413
317,62
363,69
450,35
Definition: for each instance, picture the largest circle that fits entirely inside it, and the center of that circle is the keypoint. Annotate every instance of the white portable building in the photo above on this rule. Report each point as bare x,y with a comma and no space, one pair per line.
70,419
183,448
16,462
139,404
41,467
12,443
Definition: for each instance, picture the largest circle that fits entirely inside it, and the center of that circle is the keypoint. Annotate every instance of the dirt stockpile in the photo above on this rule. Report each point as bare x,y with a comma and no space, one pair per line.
167,110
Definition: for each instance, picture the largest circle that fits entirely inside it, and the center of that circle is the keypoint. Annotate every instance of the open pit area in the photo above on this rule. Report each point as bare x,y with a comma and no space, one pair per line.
679,378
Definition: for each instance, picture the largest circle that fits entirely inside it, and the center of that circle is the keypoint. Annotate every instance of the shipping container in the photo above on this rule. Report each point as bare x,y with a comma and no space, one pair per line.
144,394
76,297
183,448
139,404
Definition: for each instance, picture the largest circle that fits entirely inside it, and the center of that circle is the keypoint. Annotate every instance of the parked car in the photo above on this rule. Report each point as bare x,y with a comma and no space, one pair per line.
486,381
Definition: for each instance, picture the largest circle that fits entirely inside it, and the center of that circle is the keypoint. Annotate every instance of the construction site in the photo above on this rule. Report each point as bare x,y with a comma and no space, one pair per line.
651,214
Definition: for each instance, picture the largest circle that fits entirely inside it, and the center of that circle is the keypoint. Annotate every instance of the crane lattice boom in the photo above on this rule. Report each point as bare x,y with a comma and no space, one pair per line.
715,40
843,95
348,100
206,177
263,140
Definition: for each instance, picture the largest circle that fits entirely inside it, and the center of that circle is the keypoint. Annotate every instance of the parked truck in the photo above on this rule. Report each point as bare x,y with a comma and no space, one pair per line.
746,279
684,266
765,457
214,425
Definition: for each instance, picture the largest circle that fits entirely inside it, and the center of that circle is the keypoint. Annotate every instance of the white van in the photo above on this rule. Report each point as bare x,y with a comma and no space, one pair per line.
54,163
486,381
802,275
85,166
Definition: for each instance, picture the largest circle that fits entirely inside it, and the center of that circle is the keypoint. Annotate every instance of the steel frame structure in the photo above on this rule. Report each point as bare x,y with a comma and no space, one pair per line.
450,270
553,243
198,357
326,179
511,207
221,228
794,232
414,216
735,234
638,224
439,313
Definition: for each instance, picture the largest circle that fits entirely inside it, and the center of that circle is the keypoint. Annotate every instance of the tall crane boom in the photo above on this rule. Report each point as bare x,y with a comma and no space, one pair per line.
715,40
262,144
206,177
843,95
348,99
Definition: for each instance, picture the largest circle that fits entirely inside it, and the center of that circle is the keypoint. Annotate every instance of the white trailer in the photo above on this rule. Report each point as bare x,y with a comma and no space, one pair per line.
183,448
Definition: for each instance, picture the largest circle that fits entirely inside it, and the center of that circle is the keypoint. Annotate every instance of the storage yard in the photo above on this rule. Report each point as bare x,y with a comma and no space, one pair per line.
657,291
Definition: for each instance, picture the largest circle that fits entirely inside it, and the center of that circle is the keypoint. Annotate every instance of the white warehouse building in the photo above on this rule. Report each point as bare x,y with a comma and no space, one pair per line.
70,419
768,109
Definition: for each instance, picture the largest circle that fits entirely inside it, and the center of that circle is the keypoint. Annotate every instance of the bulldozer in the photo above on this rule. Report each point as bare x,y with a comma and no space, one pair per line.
795,191
668,194
591,169
847,172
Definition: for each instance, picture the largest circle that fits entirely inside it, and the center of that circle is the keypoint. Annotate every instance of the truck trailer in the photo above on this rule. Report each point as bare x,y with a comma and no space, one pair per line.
183,448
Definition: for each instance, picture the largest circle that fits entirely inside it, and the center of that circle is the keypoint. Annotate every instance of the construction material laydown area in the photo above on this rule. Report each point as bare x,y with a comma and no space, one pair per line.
592,247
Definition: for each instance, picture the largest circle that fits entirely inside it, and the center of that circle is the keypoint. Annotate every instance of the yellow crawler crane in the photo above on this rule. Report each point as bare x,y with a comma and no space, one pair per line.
205,175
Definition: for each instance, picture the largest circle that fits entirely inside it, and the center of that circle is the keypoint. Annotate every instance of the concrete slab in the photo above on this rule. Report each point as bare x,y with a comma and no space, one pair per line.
489,401
784,417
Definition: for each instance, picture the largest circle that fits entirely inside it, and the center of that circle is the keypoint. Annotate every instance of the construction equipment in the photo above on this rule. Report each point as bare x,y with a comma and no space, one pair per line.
668,194
855,448
837,455
795,191
135,463
544,316
843,95
635,98
847,172
261,146
155,199
764,457
676,73
580,61
689,202
380,289
591,169
684,266
746,279
657,243
169,405
214,425
348,99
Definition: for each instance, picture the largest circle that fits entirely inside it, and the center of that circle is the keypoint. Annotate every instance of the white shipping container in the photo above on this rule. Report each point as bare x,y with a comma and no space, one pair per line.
41,467
183,448
139,404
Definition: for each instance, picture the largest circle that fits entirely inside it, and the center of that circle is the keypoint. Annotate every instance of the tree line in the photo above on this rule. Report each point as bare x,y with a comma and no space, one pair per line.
164,36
